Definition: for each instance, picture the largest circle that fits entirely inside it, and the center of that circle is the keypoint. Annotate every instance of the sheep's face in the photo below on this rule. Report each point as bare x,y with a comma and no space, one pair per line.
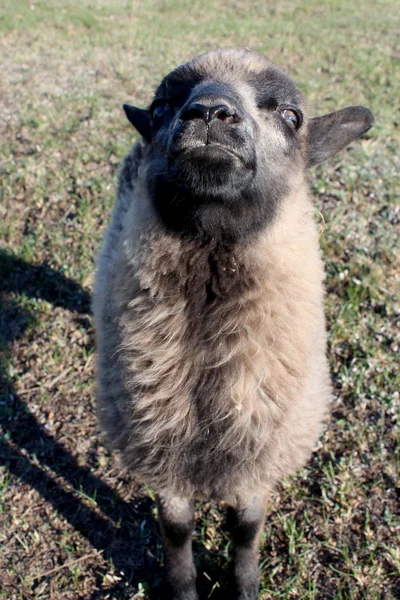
228,139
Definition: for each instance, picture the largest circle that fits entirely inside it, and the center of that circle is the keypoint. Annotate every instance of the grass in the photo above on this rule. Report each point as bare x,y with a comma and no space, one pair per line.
73,525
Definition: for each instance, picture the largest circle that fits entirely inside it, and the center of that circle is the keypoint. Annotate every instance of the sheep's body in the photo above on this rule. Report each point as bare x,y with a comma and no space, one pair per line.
213,381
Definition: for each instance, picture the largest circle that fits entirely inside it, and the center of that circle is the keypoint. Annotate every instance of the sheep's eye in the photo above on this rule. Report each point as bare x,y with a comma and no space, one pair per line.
159,110
291,117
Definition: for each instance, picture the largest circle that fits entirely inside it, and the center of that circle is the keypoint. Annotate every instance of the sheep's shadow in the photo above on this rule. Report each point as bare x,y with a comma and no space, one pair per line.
126,533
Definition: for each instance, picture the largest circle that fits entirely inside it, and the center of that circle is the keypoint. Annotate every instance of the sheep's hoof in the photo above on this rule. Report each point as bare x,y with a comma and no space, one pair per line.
187,592
244,581
248,591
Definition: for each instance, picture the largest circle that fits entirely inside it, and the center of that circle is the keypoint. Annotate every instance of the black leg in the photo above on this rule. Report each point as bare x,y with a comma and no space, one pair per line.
246,525
176,516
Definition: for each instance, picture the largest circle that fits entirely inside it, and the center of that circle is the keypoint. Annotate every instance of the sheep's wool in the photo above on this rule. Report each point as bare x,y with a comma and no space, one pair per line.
212,373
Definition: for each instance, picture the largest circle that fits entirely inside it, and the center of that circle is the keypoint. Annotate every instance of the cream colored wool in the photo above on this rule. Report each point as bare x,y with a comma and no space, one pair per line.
269,341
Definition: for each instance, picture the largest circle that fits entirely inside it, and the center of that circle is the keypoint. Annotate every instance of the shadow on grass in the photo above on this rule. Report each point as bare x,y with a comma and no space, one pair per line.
40,281
125,533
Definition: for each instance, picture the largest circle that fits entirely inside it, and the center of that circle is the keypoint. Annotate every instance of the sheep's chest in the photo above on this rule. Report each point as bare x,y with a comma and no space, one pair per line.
193,340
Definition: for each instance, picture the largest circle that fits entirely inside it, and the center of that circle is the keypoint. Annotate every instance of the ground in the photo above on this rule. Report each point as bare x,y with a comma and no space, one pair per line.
73,524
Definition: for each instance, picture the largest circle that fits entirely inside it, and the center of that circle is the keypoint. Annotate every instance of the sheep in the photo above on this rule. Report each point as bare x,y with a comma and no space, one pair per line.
213,381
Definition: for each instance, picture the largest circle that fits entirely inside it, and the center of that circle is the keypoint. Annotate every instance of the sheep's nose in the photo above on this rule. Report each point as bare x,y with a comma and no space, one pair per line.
222,112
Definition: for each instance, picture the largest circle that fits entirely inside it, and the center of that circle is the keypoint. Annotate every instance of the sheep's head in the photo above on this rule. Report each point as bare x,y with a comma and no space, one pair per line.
228,138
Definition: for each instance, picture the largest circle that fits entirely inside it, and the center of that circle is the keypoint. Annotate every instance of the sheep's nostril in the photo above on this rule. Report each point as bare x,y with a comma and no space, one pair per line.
195,111
223,113
223,116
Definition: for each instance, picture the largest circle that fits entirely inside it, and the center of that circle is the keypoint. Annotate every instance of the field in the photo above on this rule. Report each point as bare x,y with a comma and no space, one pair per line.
73,525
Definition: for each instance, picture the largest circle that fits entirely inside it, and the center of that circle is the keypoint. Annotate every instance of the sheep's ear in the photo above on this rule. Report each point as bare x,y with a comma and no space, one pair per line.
140,119
331,133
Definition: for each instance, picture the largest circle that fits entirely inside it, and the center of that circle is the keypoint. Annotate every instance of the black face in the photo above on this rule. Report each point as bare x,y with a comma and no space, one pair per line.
226,136
208,171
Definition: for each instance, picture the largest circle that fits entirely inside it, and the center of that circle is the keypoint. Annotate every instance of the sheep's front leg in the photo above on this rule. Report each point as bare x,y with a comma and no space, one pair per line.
176,516
246,525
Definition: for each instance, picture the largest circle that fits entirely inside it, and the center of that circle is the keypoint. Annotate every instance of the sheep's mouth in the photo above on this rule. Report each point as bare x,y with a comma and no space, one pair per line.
211,152
213,147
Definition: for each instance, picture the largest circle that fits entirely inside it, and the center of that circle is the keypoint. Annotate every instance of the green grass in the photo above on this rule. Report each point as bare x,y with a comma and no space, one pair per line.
73,525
